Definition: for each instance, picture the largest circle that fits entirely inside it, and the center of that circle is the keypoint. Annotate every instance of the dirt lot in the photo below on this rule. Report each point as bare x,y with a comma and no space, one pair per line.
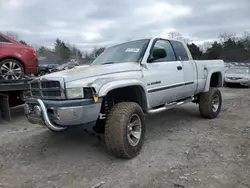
181,150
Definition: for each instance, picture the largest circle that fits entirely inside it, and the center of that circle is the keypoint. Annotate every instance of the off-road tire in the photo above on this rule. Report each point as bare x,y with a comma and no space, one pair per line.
205,103
116,130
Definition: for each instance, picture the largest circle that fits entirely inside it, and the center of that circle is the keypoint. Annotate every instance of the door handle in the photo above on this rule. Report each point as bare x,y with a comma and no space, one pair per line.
179,68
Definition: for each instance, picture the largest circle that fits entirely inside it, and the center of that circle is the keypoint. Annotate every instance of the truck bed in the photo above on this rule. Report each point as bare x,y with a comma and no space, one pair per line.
204,67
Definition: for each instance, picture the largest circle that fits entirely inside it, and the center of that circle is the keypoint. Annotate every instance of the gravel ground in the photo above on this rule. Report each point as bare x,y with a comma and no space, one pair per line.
181,150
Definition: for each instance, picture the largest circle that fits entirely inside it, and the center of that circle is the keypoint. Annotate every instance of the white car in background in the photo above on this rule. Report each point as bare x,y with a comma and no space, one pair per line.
238,75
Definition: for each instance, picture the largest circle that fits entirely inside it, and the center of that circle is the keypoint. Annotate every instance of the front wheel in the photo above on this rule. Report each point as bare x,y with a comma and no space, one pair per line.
125,130
210,103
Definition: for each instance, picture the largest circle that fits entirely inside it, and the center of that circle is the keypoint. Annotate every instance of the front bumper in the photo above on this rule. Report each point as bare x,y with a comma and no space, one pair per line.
59,114
239,81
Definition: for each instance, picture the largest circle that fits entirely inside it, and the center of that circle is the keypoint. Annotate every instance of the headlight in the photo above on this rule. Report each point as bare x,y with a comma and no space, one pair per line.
74,93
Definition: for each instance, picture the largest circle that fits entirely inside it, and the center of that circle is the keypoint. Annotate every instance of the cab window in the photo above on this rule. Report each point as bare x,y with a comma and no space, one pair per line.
165,44
180,51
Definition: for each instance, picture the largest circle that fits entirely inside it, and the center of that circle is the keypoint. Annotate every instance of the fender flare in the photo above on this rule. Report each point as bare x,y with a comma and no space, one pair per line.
116,84
119,84
212,71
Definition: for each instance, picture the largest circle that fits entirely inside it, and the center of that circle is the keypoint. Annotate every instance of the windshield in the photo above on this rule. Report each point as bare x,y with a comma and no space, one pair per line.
237,71
126,52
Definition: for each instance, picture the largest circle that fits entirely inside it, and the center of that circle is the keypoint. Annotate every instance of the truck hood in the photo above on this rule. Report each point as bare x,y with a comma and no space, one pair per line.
87,71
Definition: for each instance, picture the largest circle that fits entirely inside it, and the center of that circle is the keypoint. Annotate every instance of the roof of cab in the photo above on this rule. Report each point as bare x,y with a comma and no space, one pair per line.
154,37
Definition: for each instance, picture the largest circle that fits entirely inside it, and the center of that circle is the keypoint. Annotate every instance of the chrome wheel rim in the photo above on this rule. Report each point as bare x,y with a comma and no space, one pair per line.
215,103
134,130
11,70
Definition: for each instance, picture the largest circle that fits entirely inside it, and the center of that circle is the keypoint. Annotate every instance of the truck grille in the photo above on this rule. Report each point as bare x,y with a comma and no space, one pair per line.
46,89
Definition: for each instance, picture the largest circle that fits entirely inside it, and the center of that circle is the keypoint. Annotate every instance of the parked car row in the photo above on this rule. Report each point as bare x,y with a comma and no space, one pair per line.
45,69
65,66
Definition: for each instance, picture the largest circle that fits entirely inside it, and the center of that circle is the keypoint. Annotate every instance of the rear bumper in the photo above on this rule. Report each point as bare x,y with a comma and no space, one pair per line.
58,115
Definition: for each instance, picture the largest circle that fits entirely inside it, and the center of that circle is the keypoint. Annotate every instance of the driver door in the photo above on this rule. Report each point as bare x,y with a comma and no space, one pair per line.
164,77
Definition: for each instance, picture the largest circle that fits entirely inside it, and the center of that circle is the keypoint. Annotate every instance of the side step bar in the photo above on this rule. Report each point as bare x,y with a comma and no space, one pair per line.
170,105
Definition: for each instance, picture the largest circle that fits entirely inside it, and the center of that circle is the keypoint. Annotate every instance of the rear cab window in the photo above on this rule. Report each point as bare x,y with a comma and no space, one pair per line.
180,51
4,40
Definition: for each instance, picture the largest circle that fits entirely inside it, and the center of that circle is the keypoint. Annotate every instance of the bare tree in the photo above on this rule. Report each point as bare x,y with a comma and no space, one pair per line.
174,35
225,36
177,36
205,46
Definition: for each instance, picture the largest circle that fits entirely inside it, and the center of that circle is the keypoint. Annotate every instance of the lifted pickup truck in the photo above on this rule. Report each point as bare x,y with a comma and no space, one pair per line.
124,83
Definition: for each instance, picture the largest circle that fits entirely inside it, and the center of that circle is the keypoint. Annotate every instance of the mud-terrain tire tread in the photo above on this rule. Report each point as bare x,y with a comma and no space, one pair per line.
116,130
205,103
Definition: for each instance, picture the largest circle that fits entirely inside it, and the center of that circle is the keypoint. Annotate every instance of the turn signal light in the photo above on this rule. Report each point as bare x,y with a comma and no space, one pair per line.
95,97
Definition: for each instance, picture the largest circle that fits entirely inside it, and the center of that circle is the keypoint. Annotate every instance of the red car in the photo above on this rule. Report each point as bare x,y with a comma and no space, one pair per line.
16,59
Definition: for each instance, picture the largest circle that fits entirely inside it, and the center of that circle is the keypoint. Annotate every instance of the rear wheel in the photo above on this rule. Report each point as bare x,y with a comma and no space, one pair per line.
210,103
125,130
11,69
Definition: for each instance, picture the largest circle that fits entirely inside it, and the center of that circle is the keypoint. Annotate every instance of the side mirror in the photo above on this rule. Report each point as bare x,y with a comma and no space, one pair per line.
158,53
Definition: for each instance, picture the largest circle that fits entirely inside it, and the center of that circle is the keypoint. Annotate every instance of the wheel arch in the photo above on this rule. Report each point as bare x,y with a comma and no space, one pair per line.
215,78
133,91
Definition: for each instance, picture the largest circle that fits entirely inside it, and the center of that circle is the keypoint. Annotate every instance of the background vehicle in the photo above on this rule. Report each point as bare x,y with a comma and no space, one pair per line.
238,75
125,82
64,66
16,59
45,69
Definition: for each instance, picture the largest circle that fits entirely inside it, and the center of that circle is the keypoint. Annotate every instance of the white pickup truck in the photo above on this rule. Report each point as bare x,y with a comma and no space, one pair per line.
124,83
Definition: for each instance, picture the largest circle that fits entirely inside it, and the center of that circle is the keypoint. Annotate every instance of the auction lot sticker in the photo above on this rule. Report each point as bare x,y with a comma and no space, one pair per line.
132,50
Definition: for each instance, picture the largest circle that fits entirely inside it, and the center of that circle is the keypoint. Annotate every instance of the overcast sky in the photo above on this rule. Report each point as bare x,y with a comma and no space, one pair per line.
106,22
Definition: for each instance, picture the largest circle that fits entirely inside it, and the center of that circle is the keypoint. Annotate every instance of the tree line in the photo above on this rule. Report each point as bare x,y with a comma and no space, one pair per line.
229,47
62,53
